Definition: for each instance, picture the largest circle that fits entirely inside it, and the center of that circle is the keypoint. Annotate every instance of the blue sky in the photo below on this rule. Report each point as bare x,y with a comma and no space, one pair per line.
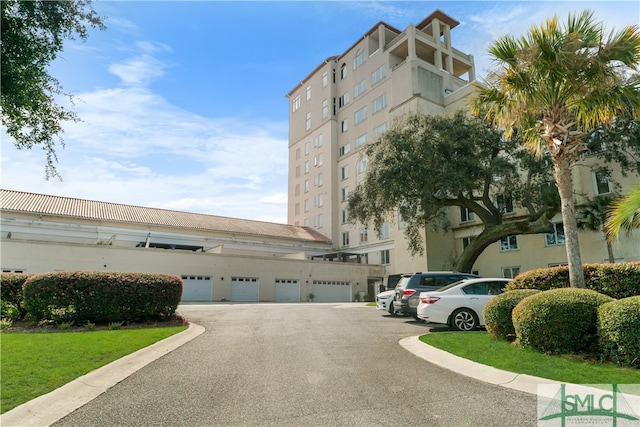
183,103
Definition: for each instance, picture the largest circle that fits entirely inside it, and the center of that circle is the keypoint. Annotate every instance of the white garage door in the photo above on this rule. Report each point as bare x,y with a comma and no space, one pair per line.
244,289
287,290
331,291
197,288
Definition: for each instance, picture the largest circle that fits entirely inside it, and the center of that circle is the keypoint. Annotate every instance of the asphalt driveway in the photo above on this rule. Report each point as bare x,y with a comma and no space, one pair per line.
307,364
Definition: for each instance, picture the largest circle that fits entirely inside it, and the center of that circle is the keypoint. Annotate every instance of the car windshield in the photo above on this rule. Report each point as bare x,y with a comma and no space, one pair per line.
449,286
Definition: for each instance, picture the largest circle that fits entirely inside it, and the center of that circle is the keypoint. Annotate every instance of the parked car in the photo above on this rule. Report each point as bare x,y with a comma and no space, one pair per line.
384,301
460,304
410,285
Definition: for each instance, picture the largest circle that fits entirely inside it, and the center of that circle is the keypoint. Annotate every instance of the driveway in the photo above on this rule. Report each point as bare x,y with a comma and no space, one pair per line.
306,364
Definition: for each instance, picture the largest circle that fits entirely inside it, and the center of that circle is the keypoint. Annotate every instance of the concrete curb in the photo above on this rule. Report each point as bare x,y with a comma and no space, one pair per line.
488,374
49,408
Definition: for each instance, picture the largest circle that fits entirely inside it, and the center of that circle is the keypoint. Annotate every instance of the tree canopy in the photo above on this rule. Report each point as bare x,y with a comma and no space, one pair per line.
33,34
556,85
424,164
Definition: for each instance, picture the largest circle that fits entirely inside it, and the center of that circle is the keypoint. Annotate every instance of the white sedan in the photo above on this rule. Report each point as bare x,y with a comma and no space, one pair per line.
460,304
384,301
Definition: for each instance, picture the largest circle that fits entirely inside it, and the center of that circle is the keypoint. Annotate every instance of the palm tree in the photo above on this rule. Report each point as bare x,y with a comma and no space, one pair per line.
554,85
624,214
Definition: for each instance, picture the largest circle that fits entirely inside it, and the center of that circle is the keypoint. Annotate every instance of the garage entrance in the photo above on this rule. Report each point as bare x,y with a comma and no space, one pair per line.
244,289
331,291
287,290
197,288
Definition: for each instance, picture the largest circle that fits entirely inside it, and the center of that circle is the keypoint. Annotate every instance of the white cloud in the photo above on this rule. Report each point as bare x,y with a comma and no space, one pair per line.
140,70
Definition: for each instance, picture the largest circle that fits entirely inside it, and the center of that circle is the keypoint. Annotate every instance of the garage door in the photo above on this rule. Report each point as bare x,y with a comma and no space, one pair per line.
244,289
331,291
197,288
287,290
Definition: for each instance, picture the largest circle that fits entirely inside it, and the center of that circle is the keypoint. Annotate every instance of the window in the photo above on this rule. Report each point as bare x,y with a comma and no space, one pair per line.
317,161
345,149
504,203
345,238
384,257
308,122
466,215
509,243
343,100
510,272
319,200
343,71
307,146
318,141
557,237
295,104
308,93
325,108
359,88
364,235
297,191
306,167
298,171
601,182
466,241
318,221
384,230
306,185
344,126
361,170
345,194
317,180
344,172
345,216
379,103
298,153
361,140
325,79
297,208
360,115
377,75
359,59
306,205
379,130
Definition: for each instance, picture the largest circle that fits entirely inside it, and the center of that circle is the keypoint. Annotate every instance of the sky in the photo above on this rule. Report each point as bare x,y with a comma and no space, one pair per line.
183,103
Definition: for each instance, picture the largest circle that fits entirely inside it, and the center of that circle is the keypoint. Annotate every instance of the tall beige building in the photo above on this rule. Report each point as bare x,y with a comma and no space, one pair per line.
351,98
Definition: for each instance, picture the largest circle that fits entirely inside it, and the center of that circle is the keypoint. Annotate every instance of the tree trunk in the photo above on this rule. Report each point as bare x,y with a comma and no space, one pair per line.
564,181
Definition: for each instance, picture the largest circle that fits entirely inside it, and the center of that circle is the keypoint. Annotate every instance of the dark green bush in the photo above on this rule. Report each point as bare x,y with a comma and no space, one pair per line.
559,320
619,281
619,331
101,297
497,313
11,291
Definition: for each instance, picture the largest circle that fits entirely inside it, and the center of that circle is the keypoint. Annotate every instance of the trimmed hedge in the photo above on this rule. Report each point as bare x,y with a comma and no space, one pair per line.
559,320
619,331
497,313
11,293
621,280
101,297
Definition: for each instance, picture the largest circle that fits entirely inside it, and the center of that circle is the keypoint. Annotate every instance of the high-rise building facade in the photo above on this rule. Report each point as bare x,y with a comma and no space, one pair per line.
351,98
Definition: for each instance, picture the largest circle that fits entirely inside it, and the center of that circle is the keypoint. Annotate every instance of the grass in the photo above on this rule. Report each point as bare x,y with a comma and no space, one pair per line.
34,364
481,347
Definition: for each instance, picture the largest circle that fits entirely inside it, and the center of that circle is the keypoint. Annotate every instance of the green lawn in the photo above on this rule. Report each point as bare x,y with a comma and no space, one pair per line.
482,348
34,364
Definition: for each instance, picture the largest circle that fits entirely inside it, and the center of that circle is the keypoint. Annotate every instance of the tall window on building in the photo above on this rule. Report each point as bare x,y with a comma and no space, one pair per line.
504,203
295,103
379,103
308,122
345,216
384,230
306,167
306,205
343,100
307,148
379,130
318,141
343,72
360,115
344,126
306,185
359,59
601,182
557,237
466,241
466,215
377,75
308,93
345,238
364,235
345,194
361,140
325,108
384,257
325,79
359,88
345,149
344,172
362,169
509,243
510,272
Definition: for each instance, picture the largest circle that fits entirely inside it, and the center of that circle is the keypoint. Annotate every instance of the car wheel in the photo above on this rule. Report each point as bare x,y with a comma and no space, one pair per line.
392,311
464,319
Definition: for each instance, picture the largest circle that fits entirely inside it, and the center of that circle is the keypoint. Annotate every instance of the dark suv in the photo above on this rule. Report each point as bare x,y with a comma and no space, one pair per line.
410,285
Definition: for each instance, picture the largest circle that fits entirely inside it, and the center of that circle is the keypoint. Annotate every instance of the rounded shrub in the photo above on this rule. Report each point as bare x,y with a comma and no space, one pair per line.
497,313
101,297
619,331
559,320
11,293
